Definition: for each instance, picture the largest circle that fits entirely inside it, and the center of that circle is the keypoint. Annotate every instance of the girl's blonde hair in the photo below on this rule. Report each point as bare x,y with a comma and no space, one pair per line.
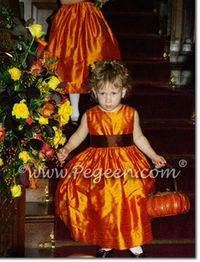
109,71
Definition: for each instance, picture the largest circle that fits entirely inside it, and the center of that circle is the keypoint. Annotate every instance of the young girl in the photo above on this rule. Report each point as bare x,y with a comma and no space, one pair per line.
102,197
80,36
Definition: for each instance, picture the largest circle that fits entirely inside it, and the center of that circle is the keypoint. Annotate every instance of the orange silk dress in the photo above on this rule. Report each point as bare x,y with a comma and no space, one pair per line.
80,36
100,205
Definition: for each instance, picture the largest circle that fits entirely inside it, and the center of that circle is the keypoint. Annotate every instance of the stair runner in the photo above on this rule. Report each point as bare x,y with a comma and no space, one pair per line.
166,121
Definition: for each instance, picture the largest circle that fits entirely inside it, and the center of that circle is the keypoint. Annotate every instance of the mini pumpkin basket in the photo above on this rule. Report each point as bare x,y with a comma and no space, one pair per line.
168,203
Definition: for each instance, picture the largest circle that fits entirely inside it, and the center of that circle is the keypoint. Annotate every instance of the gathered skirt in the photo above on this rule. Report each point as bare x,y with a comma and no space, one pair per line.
80,36
104,208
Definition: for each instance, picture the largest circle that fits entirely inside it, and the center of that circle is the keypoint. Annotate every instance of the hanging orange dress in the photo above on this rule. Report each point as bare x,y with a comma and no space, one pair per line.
80,36
100,202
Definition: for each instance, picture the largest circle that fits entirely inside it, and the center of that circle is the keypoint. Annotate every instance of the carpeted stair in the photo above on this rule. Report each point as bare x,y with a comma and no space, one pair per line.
166,119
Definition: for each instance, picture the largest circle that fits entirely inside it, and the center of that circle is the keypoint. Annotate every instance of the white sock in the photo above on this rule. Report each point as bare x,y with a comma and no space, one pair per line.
136,250
106,249
74,99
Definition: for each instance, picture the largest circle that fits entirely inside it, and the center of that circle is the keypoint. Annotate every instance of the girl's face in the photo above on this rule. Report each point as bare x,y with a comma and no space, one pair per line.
109,97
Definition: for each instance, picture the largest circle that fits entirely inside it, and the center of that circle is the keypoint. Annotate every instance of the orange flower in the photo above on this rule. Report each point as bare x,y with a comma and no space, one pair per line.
52,66
47,110
42,156
41,42
37,67
2,133
47,150
41,46
29,121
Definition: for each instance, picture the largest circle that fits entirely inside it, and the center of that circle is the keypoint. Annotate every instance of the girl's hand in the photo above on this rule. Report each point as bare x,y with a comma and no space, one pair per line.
159,161
62,155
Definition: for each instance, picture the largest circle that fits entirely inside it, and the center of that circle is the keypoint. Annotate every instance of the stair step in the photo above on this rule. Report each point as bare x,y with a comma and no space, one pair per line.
39,211
156,88
62,233
38,194
186,181
162,105
39,223
127,5
183,169
134,23
36,234
171,139
145,47
39,253
149,72
175,227
172,249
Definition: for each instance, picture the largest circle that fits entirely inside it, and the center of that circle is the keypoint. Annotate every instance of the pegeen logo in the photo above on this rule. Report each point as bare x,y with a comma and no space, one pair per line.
99,173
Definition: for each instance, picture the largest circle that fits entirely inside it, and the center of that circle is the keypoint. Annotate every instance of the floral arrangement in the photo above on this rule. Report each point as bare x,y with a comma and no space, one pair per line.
33,111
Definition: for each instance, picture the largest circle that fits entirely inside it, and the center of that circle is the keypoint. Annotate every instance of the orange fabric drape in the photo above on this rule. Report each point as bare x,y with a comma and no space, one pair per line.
79,37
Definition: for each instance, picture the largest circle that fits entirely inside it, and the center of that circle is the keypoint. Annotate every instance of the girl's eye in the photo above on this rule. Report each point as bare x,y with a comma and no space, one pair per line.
103,93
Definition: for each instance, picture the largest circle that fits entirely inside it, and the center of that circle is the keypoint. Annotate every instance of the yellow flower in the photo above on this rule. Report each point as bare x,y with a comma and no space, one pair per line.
93,67
43,87
20,110
43,121
24,156
65,112
16,191
53,82
15,73
36,30
59,138
1,162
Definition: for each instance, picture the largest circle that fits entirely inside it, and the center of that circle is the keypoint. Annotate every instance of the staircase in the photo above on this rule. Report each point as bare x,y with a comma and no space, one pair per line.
166,119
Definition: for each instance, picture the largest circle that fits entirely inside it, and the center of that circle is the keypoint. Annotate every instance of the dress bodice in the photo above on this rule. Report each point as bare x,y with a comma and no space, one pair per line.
110,123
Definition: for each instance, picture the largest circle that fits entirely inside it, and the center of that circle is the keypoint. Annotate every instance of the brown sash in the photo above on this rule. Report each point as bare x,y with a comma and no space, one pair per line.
111,140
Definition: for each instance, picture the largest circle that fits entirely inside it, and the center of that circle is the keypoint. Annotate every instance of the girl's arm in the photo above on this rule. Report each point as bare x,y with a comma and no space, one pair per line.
75,140
69,2
143,144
